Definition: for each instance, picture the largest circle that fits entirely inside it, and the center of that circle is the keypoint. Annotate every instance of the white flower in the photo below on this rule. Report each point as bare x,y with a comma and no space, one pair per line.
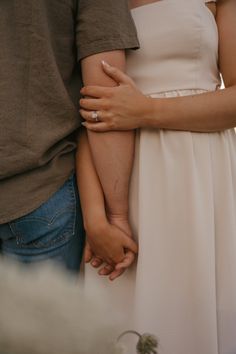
147,343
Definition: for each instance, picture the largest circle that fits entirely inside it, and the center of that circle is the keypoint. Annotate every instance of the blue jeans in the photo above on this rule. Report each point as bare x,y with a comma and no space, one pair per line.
54,231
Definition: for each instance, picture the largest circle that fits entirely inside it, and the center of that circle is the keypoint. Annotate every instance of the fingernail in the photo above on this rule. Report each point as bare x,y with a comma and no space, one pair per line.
105,63
84,124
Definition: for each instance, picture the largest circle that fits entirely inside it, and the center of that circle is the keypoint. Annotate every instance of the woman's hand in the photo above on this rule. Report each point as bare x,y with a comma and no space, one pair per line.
122,107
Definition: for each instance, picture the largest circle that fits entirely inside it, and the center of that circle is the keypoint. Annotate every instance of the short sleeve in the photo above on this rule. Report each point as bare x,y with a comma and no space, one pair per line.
104,25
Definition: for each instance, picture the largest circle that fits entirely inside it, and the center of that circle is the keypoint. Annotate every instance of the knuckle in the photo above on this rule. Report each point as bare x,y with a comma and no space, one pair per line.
108,117
92,92
117,260
110,94
111,124
113,69
83,102
106,105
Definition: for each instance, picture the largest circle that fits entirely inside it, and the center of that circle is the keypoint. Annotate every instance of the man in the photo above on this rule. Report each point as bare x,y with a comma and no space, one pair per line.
42,43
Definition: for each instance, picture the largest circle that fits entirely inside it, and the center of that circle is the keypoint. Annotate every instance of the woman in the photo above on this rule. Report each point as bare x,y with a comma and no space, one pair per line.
183,195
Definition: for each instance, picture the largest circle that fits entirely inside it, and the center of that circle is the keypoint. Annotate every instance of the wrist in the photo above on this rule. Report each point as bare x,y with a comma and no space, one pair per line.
152,114
118,211
94,221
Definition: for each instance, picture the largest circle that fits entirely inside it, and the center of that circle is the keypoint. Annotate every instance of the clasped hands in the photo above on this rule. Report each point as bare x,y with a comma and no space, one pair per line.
110,247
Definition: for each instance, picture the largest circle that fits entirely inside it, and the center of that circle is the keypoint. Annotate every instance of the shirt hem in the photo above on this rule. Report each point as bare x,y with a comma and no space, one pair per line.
97,47
34,206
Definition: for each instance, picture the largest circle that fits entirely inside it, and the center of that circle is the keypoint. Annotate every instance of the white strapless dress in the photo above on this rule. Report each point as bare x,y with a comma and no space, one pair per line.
183,196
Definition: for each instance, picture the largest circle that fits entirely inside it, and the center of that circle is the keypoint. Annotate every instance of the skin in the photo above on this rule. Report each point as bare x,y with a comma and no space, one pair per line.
96,214
107,241
112,153
103,179
125,107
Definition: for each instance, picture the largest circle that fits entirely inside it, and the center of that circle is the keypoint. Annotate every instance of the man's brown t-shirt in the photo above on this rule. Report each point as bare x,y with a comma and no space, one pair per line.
42,42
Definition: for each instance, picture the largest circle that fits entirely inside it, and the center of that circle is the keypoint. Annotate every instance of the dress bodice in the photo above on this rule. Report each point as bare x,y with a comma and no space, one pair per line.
179,47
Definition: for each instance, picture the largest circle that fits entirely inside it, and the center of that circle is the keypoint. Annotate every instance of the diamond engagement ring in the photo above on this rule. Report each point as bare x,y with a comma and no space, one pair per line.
95,116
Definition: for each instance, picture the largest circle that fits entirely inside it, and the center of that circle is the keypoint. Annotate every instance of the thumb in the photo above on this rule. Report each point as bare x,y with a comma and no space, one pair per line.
127,261
130,244
88,254
116,74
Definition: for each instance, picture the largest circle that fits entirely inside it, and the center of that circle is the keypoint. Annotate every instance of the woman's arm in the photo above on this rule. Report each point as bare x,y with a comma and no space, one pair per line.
212,111
127,108
104,240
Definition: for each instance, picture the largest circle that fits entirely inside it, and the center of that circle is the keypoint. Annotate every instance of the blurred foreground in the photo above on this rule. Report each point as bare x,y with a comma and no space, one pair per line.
44,311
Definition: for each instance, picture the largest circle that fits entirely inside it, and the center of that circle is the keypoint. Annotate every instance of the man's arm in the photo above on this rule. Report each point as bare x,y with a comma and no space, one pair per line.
112,152
113,157
106,26
105,242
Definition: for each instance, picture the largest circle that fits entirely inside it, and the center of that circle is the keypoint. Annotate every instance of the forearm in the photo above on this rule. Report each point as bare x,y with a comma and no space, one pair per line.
207,112
91,195
104,240
113,157
112,152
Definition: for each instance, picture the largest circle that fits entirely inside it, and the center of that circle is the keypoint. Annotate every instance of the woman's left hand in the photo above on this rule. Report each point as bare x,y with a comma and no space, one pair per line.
122,107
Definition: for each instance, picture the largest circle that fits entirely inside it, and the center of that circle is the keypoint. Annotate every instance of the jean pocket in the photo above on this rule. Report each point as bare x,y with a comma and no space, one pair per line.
52,224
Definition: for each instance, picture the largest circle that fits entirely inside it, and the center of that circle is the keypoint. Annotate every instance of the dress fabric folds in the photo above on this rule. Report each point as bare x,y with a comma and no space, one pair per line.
182,197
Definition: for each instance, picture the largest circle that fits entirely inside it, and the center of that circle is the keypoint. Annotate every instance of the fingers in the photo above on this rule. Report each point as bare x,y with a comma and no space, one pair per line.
92,104
117,75
88,116
97,127
130,244
96,91
127,261
108,269
88,254
116,274
114,271
96,262
121,267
